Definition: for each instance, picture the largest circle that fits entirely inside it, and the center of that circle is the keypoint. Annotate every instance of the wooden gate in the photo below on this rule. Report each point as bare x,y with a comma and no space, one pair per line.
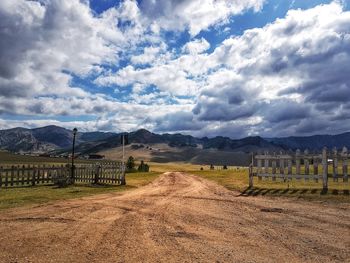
301,166
38,174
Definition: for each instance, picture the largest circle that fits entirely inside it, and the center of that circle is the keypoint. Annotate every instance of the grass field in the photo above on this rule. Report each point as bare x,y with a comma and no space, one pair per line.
13,197
14,159
238,180
235,178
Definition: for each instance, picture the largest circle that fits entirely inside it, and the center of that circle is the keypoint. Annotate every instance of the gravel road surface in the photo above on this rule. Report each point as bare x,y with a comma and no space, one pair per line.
177,218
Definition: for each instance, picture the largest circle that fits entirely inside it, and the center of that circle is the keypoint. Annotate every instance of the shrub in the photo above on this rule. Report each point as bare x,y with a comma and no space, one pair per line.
130,164
143,167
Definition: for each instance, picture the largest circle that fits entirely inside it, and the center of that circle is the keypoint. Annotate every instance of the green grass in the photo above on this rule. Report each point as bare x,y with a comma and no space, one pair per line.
15,159
238,180
20,196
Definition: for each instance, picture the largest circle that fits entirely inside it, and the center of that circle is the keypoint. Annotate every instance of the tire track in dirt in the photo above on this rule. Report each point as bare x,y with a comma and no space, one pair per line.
177,218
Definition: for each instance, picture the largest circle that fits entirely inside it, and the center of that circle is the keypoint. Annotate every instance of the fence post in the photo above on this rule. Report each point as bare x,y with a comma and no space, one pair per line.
335,165
325,169
97,173
33,175
266,168
17,175
281,164
251,172
0,176
6,177
23,173
12,174
273,164
306,164
123,181
290,169
345,164
297,163
259,169
73,174
315,161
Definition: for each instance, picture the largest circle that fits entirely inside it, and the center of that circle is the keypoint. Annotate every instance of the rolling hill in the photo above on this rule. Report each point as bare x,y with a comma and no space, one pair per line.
315,142
160,147
44,139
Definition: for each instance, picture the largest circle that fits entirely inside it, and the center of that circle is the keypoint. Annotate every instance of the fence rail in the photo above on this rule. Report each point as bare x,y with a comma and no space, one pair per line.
300,166
30,175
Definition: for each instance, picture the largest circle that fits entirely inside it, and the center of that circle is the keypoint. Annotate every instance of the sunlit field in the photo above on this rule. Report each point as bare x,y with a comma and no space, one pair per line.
7,158
234,178
19,196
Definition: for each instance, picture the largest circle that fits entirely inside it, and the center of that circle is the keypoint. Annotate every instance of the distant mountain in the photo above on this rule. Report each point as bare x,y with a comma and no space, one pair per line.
21,139
315,142
44,139
143,136
55,138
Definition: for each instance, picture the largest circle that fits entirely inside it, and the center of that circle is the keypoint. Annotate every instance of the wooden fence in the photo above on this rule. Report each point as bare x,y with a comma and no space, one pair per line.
299,166
30,175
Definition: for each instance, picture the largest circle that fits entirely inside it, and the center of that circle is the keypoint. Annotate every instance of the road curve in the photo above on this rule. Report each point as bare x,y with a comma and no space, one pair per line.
177,218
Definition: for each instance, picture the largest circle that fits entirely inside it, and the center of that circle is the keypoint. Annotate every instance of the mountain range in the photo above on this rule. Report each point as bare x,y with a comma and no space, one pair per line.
44,139
58,139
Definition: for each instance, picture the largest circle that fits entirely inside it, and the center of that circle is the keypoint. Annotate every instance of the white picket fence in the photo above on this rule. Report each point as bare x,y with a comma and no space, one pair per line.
301,166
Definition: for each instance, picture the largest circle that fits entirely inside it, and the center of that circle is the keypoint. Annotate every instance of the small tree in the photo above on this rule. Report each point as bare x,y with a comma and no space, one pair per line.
211,167
225,167
143,167
130,164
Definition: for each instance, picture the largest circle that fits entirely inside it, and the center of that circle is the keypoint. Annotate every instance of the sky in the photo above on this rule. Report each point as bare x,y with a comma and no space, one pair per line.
201,67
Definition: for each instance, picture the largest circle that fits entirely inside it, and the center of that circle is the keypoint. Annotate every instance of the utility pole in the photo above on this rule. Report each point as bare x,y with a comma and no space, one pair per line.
123,142
75,130
123,181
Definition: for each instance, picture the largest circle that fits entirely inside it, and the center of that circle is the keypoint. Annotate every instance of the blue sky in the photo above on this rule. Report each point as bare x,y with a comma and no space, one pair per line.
206,68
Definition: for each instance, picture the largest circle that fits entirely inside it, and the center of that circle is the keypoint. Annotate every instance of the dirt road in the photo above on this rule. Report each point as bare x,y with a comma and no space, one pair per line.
177,218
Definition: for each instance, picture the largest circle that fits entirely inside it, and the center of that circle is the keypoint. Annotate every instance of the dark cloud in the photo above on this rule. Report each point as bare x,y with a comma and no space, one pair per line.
299,70
221,111
17,35
285,110
178,121
311,126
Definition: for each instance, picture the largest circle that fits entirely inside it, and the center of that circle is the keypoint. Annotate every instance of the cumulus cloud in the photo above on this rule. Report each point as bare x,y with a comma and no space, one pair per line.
288,72
151,54
285,78
40,41
166,77
289,77
196,46
195,15
44,43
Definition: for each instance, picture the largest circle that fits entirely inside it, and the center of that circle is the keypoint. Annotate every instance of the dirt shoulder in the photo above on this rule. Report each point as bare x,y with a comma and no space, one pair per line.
177,218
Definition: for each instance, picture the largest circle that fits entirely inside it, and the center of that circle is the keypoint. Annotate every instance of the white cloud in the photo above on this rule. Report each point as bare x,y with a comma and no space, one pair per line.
269,80
298,62
41,42
166,77
196,46
152,54
195,15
